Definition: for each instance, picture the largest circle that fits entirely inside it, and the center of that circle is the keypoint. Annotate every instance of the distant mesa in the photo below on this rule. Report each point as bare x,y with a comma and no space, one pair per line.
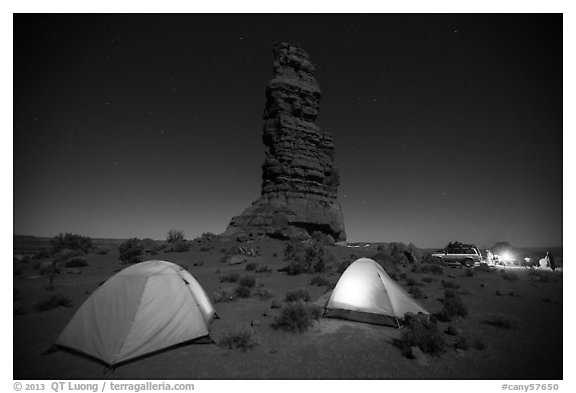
299,178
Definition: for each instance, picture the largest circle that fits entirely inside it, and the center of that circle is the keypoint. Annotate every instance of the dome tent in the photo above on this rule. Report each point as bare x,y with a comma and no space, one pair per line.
366,293
142,309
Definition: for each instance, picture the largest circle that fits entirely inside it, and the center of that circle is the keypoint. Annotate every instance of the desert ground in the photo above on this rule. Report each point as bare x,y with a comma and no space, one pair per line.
530,348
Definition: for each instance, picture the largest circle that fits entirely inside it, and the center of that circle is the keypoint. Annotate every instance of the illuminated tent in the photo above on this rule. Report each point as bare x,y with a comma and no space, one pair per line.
366,293
144,308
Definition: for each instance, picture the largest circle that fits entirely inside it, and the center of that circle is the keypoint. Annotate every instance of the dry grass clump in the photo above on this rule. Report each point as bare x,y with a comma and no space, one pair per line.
223,296
320,281
247,281
501,321
230,277
453,306
297,295
242,291
419,331
241,338
263,293
251,266
297,317
264,269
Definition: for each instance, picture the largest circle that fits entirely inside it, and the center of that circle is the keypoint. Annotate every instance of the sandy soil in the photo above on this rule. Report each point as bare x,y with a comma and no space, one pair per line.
332,349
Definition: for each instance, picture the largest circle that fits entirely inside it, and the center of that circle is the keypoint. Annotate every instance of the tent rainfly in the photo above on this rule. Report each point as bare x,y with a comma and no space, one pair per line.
142,309
366,293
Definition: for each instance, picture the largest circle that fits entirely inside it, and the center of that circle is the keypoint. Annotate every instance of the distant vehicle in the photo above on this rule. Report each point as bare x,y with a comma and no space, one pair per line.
459,254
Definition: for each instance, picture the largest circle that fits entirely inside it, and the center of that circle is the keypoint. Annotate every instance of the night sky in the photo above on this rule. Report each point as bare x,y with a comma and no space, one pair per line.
446,127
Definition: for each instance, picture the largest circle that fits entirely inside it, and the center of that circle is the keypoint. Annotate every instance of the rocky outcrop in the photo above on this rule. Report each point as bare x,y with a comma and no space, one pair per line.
299,178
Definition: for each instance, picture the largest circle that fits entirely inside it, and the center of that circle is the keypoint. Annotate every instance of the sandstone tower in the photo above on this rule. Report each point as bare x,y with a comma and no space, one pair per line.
299,178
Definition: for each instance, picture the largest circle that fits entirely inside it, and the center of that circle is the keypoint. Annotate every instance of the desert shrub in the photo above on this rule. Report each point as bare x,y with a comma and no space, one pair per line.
52,302
297,295
420,332
175,235
205,248
275,304
263,293
131,251
242,291
416,292
509,276
71,241
317,257
207,236
76,262
251,266
297,317
247,281
264,269
428,268
449,285
501,321
312,258
462,343
230,277
223,295
320,281
469,273
241,338
479,344
428,279
453,306
178,246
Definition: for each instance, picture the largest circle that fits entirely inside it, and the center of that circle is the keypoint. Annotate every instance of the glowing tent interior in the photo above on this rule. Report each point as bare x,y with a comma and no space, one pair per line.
366,293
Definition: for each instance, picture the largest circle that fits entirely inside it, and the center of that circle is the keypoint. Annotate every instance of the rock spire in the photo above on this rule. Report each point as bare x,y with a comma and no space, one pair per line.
299,178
